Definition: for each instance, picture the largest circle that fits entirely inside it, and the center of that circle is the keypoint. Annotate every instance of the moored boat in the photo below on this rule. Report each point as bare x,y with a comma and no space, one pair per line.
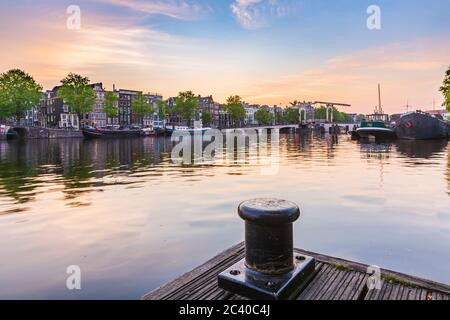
92,133
421,126
375,128
170,130
376,125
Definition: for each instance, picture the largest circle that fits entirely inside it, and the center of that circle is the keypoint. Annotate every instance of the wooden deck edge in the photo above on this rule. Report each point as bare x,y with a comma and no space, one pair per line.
163,290
361,267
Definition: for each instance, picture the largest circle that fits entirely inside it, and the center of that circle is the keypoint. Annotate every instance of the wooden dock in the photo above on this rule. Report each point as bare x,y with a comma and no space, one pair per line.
334,279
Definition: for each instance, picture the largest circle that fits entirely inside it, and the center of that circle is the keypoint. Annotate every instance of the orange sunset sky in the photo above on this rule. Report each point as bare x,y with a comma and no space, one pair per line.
269,52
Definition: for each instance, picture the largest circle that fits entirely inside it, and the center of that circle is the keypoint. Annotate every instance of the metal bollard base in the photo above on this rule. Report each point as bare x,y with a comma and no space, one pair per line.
240,280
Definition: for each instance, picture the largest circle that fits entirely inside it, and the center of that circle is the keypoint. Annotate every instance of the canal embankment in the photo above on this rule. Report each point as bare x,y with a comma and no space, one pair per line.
23,132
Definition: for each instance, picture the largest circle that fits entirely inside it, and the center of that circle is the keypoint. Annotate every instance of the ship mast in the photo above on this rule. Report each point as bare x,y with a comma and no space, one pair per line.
380,110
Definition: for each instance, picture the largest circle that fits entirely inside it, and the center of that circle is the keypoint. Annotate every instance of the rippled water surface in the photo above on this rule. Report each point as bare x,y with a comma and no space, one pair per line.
132,220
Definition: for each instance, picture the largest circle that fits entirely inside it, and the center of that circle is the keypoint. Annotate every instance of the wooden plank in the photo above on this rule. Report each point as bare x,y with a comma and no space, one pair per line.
393,294
425,283
207,281
356,286
349,278
440,296
421,294
316,283
332,286
406,293
375,294
180,282
329,283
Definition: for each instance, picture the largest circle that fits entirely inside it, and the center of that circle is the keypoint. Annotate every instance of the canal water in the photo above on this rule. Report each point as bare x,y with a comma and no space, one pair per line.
131,219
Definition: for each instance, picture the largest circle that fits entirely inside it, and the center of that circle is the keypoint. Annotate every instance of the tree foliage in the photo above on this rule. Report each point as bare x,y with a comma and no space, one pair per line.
18,93
77,93
141,107
163,109
235,107
186,105
292,115
263,116
445,89
321,113
206,117
110,107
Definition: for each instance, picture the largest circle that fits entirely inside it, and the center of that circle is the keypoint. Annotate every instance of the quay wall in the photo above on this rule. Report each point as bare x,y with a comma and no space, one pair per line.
46,133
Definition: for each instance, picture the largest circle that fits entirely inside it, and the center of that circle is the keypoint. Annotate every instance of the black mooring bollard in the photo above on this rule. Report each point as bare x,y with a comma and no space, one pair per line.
268,234
270,270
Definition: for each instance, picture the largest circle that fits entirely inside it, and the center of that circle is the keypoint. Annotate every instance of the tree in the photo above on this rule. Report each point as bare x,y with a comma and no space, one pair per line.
294,103
186,105
141,107
110,106
206,117
321,113
235,107
78,94
280,117
292,115
163,110
263,116
18,93
445,89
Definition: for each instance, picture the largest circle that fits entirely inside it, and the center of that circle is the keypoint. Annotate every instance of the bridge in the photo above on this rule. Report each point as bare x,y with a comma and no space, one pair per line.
291,126
267,127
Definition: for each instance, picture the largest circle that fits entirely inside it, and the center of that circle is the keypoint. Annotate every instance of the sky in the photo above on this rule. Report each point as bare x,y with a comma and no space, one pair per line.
267,51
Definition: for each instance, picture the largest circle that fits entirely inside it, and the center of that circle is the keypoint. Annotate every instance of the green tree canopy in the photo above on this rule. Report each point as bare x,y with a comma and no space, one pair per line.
235,107
163,109
110,107
206,117
321,113
141,107
263,116
18,93
186,105
292,115
445,89
77,93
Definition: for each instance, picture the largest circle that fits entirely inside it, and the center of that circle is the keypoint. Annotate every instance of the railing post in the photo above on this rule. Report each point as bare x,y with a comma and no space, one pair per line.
270,270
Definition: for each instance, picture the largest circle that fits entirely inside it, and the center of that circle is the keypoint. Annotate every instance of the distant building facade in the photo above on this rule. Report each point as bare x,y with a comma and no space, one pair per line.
97,118
127,116
125,99
148,120
207,104
54,113
250,111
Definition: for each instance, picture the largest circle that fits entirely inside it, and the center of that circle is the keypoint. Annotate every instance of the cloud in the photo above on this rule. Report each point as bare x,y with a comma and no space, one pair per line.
410,70
177,9
255,14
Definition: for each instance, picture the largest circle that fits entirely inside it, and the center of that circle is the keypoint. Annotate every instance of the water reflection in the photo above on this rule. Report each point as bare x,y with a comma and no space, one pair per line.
121,209
421,149
79,166
76,165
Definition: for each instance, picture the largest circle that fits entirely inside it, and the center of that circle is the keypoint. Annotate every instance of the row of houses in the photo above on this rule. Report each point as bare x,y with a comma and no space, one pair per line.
52,112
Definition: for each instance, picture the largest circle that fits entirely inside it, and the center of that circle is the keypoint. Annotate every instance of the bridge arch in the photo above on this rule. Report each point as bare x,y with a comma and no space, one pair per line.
21,132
